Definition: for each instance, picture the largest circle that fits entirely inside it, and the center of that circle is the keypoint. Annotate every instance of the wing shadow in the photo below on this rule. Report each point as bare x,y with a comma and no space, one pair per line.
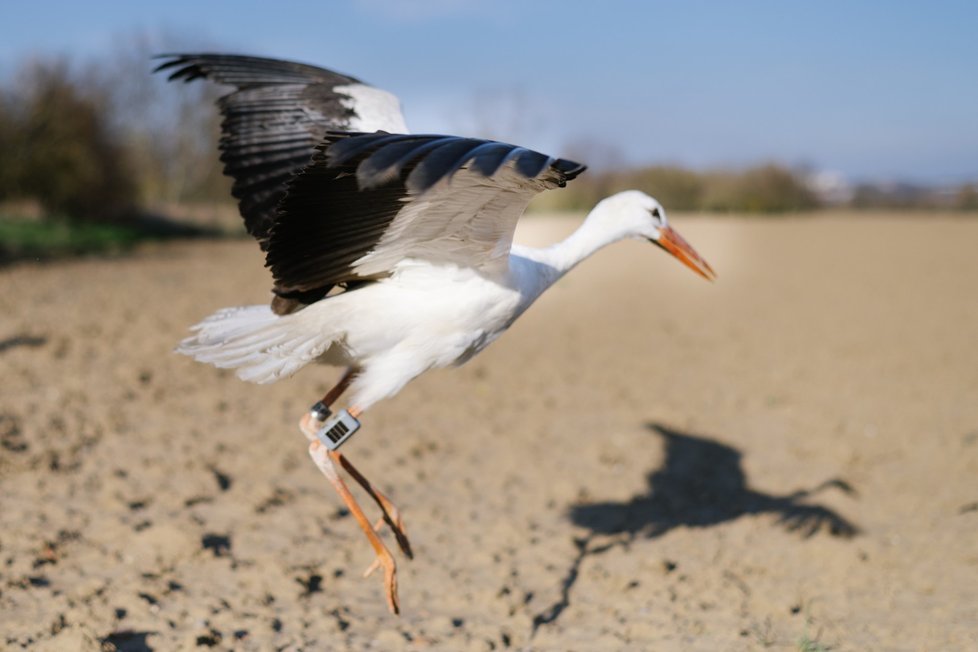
701,484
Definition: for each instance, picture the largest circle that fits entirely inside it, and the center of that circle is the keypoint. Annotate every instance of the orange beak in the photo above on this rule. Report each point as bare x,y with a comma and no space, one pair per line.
671,241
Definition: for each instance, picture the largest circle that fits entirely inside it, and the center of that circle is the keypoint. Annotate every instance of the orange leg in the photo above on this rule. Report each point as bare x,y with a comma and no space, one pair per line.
326,460
330,397
320,456
391,515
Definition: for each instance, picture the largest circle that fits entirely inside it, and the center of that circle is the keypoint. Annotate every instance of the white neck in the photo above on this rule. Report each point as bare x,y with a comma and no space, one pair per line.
538,269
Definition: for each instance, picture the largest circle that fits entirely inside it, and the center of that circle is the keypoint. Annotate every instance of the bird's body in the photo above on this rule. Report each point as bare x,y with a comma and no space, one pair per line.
422,316
419,318
391,253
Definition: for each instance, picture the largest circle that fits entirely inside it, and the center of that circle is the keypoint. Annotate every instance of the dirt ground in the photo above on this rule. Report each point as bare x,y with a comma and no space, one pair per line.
786,459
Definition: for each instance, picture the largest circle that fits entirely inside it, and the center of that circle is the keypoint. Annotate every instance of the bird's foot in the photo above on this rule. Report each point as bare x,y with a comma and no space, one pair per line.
324,459
386,560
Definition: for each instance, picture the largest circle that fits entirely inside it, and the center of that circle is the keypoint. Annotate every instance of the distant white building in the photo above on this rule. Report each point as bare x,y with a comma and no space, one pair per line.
831,187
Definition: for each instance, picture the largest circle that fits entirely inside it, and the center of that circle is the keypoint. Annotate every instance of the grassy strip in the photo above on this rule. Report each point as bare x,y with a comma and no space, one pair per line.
47,239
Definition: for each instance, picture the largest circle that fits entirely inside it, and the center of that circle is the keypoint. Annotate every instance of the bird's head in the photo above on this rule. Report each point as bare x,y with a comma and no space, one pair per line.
636,215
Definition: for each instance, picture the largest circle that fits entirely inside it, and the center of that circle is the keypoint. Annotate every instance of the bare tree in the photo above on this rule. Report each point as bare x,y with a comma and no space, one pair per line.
171,130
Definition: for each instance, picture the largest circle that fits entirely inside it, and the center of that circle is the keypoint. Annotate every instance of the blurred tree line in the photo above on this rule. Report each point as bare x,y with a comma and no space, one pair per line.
105,140
765,189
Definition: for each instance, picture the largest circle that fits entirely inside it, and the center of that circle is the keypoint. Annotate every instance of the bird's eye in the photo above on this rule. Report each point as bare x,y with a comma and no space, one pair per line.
655,213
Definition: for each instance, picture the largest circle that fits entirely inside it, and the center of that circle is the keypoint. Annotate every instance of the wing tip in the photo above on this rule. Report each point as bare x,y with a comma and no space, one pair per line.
438,158
570,169
188,66
247,70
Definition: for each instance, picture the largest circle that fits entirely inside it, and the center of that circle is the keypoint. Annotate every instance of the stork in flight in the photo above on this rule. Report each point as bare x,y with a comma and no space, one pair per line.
391,253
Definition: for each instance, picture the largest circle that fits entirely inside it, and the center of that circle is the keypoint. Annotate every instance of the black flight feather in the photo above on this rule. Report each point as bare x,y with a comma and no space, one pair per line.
272,122
338,208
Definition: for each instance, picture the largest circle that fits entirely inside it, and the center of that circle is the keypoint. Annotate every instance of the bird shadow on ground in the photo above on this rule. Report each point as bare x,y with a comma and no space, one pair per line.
700,484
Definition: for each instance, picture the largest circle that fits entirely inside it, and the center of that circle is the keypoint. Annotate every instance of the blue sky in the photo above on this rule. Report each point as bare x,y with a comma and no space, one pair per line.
876,90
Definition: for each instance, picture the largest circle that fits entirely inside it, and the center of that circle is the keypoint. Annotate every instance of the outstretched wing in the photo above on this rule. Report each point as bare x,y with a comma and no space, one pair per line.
273,121
366,202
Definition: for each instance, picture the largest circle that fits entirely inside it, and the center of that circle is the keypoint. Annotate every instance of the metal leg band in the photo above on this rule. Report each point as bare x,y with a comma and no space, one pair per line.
337,430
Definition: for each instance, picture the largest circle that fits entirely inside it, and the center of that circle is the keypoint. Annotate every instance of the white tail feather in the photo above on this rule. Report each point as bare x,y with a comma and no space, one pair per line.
262,346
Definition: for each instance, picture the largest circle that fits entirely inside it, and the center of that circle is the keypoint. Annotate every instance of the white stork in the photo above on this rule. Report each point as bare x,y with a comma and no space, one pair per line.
391,253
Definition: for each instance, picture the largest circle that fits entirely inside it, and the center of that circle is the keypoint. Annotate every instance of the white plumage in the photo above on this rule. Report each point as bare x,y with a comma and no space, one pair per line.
374,109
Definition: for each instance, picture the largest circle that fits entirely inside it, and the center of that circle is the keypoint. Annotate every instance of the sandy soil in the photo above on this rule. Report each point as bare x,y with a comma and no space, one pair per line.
786,459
